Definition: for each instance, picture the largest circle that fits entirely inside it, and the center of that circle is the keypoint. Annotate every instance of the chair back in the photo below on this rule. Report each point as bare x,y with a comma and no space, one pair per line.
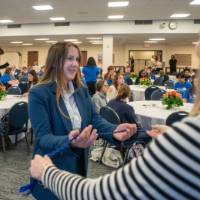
169,84
14,90
175,117
149,91
157,94
110,115
23,87
18,115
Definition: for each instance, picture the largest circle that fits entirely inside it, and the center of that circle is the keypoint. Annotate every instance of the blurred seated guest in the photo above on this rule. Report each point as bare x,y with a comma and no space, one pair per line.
8,79
183,87
194,88
187,73
113,89
150,73
108,76
24,74
121,70
91,72
32,78
99,98
16,71
41,72
125,112
142,74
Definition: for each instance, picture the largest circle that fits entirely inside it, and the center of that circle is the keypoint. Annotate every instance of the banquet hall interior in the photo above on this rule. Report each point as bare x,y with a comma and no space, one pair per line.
149,44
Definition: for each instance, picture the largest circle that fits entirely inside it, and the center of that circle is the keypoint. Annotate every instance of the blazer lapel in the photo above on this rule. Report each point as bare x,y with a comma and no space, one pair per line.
66,121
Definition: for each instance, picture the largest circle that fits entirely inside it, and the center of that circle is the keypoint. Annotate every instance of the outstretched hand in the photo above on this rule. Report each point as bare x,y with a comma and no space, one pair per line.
38,165
124,131
157,130
84,139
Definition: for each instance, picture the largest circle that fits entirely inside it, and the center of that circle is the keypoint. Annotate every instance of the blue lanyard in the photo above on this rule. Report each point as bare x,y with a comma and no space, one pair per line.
27,189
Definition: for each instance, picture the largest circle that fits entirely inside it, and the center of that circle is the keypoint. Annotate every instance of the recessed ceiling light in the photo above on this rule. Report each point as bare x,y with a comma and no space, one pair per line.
94,38
70,40
151,41
96,41
180,15
195,2
51,41
43,7
195,43
118,4
41,39
115,16
27,44
16,42
5,21
157,39
57,18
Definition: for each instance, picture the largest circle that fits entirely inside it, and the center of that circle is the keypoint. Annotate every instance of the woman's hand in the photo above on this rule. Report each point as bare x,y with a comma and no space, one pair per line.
157,130
124,131
38,166
84,139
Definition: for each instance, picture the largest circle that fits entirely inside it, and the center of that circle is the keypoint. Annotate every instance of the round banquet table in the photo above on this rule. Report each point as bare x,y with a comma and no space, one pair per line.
153,112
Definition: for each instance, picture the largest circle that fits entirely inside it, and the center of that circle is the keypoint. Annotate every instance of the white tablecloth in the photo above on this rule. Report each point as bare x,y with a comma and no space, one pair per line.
153,112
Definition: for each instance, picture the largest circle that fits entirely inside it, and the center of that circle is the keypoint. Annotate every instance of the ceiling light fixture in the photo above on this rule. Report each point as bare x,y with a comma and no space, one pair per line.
6,21
195,43
51,41
115,16
151,41
70,40
27,44
16,42
195,2
157,39
57,18
118,4
77,42
41,39
43,7
180,15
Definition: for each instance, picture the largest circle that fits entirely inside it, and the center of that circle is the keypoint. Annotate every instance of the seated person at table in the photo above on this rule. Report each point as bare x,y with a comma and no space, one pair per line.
99,98
142,74
113,89
8,79
187,73
109,74
183,87
126,112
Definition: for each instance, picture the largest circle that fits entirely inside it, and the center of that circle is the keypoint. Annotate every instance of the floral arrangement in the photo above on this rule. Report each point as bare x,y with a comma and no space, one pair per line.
133,75
3,92
145,81
172,99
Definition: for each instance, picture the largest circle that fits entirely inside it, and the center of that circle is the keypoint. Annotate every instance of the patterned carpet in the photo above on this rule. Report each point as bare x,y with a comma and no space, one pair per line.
14,166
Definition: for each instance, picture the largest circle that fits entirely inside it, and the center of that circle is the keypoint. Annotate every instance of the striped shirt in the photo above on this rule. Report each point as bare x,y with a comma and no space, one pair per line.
168,169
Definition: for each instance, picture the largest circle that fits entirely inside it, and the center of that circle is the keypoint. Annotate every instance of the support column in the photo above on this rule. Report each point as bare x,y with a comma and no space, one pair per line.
107,52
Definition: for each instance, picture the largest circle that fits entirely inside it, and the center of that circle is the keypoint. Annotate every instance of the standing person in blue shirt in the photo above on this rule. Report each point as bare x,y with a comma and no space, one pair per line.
62,115
183,87
91,72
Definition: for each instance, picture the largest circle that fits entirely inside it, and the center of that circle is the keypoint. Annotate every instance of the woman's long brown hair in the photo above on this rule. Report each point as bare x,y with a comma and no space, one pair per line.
54,69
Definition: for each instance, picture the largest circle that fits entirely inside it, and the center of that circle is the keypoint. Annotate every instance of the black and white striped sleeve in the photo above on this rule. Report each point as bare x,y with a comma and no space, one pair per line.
168,169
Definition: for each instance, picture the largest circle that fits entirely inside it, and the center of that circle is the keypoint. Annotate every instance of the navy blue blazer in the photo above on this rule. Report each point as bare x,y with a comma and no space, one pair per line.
51,129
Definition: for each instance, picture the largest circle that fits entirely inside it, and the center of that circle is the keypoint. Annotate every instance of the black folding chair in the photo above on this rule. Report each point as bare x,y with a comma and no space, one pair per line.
169,84
111,116
176,117
14,90
15,122
149,91
157,94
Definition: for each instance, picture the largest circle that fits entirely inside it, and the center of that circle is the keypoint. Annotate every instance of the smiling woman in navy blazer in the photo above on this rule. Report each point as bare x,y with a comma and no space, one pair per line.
62,114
